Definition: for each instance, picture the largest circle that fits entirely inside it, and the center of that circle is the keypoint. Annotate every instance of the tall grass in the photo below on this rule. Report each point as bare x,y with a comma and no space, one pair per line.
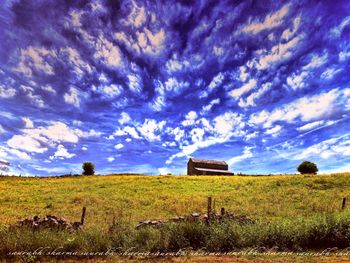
318,232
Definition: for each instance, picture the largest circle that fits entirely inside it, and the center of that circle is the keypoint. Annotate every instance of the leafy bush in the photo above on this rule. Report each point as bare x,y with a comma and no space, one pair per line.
307,167
88,168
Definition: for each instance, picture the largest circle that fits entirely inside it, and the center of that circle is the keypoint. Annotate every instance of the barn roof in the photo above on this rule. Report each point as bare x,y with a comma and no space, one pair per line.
208,161
213,170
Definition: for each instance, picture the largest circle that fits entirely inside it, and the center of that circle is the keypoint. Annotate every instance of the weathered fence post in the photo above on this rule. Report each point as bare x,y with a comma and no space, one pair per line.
223,211
209,207
83,216
343,204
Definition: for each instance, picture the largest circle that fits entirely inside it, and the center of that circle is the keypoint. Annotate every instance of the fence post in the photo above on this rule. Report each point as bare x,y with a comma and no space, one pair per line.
209,207
344,203
83,216
223,211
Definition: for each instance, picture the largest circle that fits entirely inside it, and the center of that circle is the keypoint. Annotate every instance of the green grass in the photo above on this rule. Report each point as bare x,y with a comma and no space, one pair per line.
136,198
292,212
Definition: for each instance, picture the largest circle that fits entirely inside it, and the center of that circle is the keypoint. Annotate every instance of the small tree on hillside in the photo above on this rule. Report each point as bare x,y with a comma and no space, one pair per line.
88,168
307,167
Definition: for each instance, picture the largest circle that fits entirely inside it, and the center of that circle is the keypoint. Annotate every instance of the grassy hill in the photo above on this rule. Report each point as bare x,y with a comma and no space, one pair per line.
292,212
159,197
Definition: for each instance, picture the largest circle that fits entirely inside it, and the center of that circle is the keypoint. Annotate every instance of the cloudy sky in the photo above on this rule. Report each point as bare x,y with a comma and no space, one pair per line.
138,86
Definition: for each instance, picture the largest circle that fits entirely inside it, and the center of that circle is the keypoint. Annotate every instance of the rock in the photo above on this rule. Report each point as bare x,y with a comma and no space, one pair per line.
195,214
52,222
175,219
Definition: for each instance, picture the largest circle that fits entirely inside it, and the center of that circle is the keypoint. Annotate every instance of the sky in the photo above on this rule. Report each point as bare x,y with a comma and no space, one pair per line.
141,86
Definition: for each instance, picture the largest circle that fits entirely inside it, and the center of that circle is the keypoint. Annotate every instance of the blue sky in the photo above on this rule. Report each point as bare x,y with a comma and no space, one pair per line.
141,86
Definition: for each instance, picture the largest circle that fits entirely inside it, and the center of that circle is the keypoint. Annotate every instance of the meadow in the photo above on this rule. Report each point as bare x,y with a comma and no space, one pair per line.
293,212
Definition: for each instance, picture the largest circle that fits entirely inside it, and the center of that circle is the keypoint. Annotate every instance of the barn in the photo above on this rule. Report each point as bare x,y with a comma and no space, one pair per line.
207,167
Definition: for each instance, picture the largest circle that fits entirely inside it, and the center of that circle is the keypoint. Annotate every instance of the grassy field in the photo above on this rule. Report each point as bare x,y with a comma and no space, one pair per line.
135,198
292,212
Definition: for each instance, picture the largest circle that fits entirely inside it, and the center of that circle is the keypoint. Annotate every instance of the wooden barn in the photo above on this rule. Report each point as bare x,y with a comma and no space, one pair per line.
207,167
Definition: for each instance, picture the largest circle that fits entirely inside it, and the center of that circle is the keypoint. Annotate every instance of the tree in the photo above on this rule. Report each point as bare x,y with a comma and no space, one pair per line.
307,167
88,168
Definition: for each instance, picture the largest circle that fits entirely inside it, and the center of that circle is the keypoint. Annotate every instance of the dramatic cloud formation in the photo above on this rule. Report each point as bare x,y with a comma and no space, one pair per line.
138,87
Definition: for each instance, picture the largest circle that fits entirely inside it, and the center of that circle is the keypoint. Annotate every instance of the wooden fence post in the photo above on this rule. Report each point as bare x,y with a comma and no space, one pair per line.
343,203
83,216
209,207
223,211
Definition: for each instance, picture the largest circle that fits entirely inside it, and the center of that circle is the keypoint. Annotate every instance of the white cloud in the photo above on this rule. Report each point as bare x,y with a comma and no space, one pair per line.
174,65
310,126
128,130
33,99
171,88
177,132
216,81
119,146
49,89
237,93
107,52
247,153
243,74
19,154
110,159
330,73
208,107
151,129
150,43
251,99
218,51
313,108
197,135
27,123
274,131
137,16
135,83
111,91
344,54
190,118
297,81
290,32
26,143
35,58
336,32
224,127
225,123
87,134
84,148
62,153
278,53
124,118
175,86
271,21
6,92
37,140
326,149
79,66
2,130
73,97
316,61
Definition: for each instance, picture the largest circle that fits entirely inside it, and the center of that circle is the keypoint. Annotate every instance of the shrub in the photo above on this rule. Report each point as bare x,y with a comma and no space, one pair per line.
307,167
88,168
